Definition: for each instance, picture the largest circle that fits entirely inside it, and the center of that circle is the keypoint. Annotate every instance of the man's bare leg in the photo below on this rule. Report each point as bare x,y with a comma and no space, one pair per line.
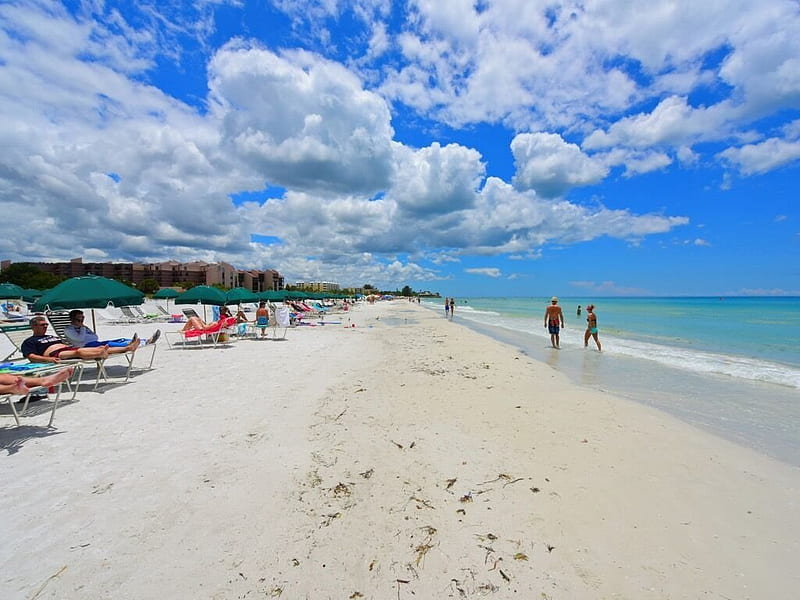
13,384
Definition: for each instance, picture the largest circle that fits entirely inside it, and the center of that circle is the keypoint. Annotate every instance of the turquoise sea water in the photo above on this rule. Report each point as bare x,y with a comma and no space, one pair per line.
728,365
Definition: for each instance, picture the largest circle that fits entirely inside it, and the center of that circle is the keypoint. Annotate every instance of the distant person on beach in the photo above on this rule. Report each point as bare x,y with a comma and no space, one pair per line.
554,321
447,308
452,307
41,347
21,385
579,310
81,336
591,328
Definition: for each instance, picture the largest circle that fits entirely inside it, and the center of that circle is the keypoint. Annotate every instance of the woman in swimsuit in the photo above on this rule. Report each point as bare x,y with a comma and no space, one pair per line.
591,328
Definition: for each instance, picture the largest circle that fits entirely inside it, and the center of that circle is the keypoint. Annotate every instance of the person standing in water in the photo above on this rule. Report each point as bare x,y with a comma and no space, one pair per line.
447,308
591,328
554,320
452,307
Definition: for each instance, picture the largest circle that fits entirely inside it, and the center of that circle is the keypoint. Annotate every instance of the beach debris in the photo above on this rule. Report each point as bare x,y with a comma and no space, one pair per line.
361,390
396,444
295,562
535,490
456,583
584,441
466,497
450,482
329,518
48,580
498,478
276,592
367,474
372,565
412,444
339,416
400,582
488,536
461,511
421,551
356,595
79,546
98,489
550,548
520,556
504,576
431,531
340,490
421,502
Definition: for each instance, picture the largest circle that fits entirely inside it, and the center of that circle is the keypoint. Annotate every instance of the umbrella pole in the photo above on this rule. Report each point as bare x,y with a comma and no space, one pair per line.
94,327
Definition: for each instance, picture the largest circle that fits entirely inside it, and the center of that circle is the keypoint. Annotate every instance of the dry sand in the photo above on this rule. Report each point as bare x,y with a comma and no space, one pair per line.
406,457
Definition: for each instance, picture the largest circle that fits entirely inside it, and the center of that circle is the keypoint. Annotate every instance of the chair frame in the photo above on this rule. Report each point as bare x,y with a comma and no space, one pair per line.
45,370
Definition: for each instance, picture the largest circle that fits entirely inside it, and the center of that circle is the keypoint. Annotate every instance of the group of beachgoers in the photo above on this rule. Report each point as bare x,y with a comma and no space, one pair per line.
554,322
81,343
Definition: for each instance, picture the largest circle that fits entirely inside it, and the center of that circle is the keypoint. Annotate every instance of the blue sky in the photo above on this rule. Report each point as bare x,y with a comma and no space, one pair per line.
508,147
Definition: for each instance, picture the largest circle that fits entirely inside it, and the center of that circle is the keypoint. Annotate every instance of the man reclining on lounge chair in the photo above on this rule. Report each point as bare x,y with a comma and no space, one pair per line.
43,348
16,384
80,336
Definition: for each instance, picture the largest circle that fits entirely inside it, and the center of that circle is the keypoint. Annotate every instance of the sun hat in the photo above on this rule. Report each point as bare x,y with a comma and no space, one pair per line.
554,299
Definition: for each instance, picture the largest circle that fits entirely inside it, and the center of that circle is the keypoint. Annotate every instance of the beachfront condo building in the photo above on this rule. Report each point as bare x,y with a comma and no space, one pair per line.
168,274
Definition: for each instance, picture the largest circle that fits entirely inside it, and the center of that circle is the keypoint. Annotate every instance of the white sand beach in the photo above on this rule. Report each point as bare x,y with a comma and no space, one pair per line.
405,457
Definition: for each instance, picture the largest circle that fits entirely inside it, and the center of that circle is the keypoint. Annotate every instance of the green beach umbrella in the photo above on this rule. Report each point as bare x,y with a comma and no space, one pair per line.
11,290
166,293
274,295
202,294
31,294
88,292
238,295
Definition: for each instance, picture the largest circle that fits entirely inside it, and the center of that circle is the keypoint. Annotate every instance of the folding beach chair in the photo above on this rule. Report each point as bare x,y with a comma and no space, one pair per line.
133,317
190,312
59,321
211,334
282,319
28,369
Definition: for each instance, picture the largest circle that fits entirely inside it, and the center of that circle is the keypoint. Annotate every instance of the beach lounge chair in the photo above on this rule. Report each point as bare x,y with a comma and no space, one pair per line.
131,315
28,369
168,316
212,334
59,321
282,319
190,312
148,317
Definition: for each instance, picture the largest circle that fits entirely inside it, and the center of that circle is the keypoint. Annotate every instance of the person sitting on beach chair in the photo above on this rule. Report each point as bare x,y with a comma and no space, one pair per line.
20,385
262,318
81,336
42,348
197,324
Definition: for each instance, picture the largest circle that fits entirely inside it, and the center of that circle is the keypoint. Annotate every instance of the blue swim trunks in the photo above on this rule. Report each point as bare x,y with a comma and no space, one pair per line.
552,327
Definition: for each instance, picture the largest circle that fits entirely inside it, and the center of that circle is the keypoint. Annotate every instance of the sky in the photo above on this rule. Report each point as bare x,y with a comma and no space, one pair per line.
473,148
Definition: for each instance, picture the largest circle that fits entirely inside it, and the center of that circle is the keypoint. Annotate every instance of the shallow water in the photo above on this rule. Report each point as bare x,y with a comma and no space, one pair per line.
750,400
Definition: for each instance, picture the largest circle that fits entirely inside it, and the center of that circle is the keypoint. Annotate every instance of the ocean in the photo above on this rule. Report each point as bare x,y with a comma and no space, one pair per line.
728,365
